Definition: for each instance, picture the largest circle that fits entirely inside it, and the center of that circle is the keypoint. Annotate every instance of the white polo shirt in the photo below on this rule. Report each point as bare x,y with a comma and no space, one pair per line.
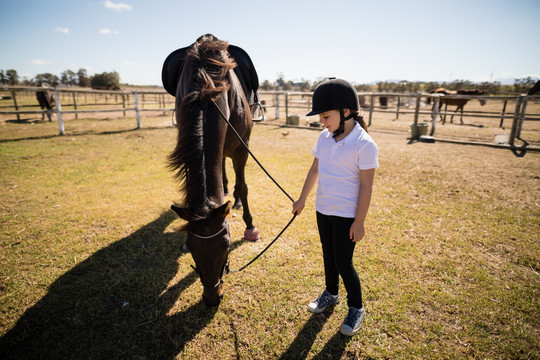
339,170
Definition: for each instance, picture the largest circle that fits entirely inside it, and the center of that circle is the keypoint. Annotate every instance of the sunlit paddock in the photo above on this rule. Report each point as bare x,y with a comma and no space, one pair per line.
90,265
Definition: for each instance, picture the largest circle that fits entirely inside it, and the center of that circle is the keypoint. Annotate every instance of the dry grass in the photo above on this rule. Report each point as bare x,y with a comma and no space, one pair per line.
90,266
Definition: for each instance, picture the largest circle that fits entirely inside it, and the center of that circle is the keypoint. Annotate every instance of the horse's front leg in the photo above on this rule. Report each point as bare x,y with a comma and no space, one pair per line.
443,118
224,177
241,193
455,112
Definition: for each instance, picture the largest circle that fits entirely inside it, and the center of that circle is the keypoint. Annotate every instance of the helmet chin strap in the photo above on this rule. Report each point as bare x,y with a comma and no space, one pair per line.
342,119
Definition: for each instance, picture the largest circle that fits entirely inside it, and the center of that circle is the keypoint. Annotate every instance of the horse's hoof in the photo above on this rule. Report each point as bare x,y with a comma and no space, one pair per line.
237,204
252,234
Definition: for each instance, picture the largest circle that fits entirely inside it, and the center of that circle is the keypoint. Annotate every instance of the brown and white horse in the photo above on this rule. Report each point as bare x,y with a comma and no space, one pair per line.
458,102
45,98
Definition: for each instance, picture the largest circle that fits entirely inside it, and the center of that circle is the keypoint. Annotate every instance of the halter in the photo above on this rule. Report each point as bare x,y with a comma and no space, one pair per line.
224,227
225,268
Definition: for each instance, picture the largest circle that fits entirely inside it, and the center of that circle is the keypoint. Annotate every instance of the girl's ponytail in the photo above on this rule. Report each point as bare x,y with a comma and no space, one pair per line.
360,120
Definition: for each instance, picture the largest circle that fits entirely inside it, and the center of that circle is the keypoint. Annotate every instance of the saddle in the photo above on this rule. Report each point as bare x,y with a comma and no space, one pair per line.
245,71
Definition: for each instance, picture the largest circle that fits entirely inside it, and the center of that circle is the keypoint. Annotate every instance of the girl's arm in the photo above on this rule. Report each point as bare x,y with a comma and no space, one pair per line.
311,179
364,198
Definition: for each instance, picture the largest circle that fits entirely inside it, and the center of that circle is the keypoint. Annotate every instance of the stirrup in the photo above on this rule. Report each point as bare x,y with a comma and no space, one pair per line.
261,118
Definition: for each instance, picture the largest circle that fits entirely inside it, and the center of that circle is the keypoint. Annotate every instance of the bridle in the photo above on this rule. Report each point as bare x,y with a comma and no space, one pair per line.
271,178
225,268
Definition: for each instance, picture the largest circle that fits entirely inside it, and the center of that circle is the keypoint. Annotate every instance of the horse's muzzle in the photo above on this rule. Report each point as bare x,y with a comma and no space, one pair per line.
213,297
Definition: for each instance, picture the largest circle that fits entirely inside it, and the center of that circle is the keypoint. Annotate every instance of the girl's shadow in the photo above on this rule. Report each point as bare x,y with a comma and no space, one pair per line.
300,347
113,305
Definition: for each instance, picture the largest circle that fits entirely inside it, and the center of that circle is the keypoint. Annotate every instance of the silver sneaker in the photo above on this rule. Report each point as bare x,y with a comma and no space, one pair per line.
320,304
353,321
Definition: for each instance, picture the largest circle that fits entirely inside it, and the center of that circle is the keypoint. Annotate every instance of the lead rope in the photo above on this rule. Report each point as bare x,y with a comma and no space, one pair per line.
270,176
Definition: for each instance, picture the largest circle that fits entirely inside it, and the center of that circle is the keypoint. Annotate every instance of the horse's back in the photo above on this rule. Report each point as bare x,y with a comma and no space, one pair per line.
245,71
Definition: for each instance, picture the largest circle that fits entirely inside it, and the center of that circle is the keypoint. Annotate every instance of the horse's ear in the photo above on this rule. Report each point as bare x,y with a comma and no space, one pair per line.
181,212
224,209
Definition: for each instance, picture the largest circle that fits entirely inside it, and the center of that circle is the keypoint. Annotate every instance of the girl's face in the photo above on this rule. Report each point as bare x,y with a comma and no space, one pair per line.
330,119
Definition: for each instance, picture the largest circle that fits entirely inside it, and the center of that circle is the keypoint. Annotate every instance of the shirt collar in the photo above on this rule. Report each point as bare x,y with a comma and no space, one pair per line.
350,136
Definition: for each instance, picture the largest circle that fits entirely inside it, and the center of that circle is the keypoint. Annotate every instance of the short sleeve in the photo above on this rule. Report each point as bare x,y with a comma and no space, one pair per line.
368,156
316,148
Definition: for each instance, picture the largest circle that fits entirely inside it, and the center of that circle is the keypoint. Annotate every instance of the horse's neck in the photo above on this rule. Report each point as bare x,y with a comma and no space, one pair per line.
214,142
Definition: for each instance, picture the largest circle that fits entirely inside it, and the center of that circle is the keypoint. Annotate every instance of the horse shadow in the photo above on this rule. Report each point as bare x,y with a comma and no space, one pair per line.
299,348
114,304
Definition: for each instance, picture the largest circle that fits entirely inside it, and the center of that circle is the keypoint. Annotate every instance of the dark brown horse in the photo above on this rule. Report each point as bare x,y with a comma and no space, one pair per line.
45,98
458,102
535,89
207,82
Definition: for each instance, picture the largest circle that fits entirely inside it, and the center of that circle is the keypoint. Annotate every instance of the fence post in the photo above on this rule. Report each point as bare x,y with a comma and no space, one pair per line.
59,112
371,106
521,117
137,112
277,106
75,104
397,111
515,120
124,104
286,108
434,114
15,103
416,133
503,113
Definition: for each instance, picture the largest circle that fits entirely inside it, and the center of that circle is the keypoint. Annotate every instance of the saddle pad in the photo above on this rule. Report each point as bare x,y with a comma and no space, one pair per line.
245,70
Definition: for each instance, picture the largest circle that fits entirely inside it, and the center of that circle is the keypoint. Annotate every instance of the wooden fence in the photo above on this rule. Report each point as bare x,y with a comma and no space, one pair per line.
513,109
84,102
282,105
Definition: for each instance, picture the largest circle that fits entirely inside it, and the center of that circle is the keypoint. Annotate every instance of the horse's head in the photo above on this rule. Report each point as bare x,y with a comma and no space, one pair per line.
208,240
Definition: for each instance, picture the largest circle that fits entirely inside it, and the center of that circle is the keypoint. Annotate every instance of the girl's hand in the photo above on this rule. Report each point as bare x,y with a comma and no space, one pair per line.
357,231
298,206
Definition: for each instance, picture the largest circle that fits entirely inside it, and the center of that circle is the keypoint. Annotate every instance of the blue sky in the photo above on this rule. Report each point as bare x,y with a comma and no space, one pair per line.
361,41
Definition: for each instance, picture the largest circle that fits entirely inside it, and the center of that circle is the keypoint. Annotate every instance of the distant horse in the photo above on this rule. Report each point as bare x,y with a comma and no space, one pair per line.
45,98
459,103
535,89
206,84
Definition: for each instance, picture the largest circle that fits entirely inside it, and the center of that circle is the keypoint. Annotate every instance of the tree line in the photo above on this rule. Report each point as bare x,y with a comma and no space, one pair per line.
520,86
106,80
111,81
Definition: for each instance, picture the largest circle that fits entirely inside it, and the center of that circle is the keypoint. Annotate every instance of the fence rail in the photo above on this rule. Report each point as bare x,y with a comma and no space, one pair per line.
411,104
105,101
76,101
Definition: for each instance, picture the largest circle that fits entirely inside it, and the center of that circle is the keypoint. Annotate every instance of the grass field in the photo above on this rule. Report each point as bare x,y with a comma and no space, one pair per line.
91,267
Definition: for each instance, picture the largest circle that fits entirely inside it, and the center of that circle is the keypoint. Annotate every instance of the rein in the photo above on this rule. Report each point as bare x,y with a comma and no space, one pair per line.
228,271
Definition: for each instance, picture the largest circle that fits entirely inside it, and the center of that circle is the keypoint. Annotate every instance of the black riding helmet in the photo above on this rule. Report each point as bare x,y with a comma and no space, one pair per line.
335,94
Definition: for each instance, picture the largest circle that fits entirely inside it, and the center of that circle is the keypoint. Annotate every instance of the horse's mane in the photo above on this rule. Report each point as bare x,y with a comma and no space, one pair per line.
210,61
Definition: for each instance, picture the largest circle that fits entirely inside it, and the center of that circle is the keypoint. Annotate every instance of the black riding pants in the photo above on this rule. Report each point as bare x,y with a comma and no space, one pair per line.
338,250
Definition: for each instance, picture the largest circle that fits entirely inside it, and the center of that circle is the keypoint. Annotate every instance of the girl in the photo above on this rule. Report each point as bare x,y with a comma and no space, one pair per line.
344,167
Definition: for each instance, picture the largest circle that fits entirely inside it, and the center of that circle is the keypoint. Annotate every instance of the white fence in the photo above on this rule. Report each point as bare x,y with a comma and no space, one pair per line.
80,101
